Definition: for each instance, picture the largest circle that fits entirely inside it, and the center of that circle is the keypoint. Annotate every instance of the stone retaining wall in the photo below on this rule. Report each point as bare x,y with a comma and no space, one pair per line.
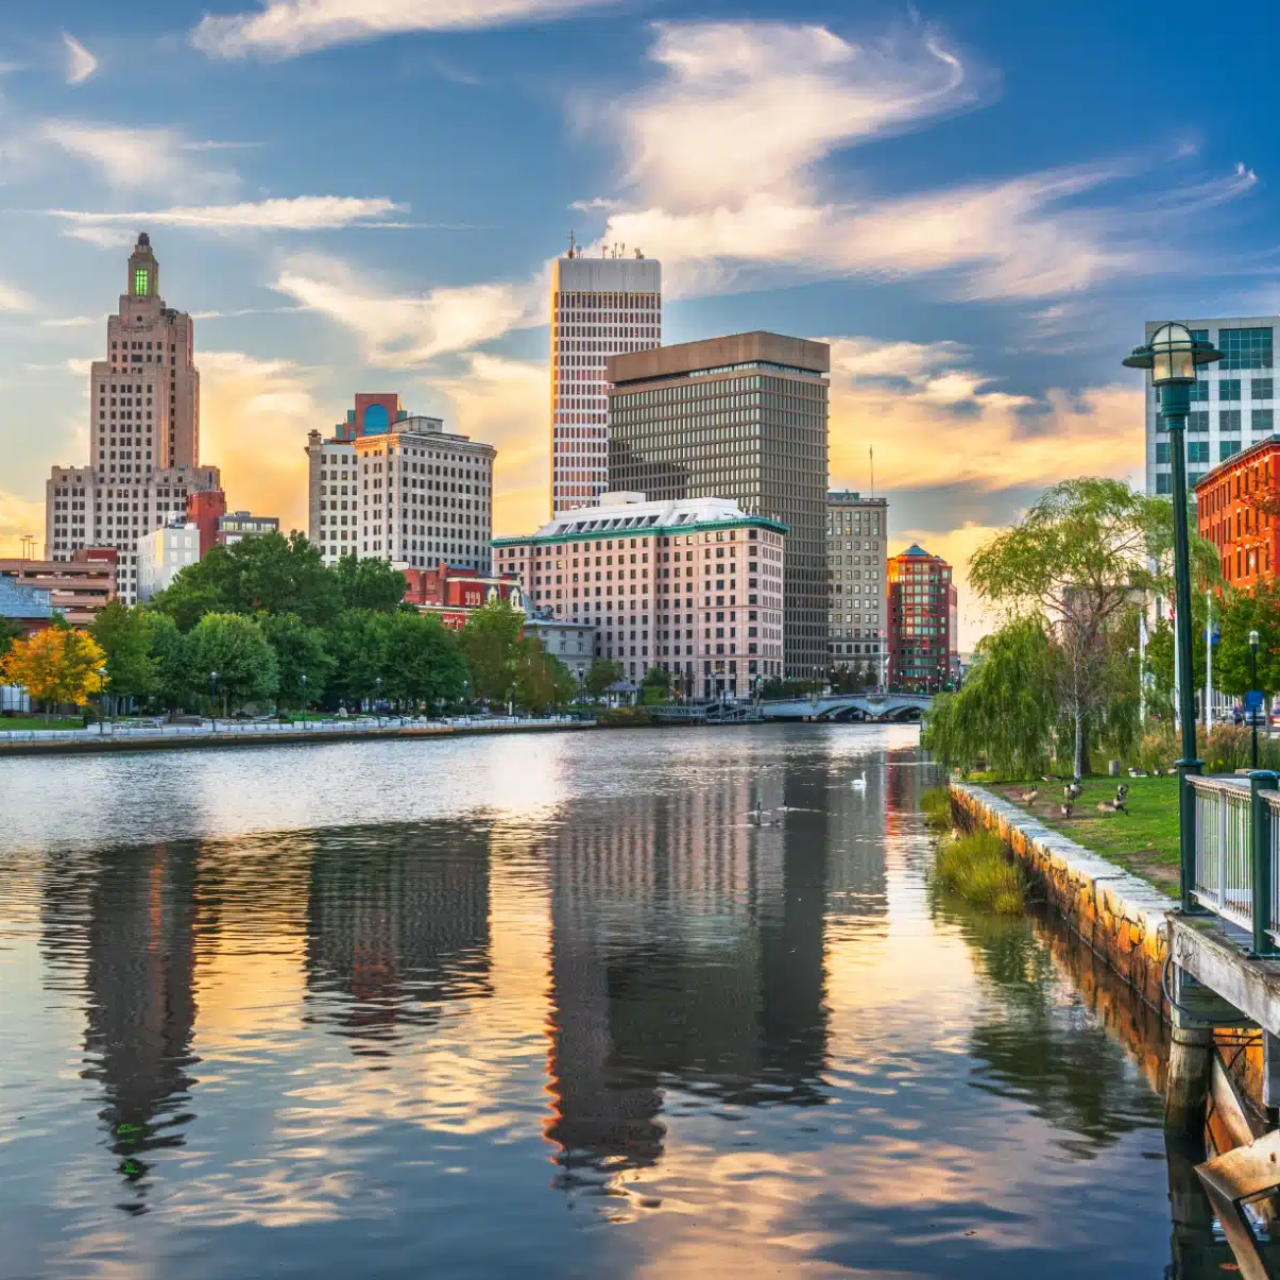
1121,917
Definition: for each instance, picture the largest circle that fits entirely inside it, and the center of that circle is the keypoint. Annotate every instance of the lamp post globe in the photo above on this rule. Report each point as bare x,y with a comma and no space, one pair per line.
1173,354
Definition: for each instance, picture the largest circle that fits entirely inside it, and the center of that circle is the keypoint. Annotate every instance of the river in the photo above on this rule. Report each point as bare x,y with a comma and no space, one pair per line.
545,1006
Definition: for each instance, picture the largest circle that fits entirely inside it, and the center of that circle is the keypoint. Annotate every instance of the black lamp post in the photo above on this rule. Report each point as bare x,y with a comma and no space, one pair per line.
1253,685
304,699
377,700
102,700
213,699
1173,355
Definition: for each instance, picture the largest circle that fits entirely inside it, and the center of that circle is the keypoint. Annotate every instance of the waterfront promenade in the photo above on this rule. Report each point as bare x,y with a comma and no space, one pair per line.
266,733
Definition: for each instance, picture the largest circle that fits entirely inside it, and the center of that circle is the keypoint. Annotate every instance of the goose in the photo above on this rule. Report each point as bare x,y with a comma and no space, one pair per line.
860,782
1028,797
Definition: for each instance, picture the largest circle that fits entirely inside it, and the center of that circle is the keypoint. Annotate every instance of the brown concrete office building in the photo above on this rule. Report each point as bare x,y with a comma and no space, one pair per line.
745,418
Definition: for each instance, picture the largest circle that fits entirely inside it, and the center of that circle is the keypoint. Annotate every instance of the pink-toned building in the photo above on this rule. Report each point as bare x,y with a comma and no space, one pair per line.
693,586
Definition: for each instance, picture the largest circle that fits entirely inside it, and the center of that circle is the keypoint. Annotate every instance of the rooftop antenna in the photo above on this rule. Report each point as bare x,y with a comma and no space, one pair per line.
573,244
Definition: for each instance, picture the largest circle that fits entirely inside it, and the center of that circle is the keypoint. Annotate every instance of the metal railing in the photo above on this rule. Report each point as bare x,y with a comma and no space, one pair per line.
1237,853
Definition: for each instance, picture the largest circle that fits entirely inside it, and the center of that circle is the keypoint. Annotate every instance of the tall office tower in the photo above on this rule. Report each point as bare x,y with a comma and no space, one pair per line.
1232,404
922,621
599,308
144,431
745,418
857,560
396,486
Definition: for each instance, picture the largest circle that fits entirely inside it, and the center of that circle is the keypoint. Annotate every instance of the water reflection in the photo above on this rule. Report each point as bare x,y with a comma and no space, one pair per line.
630,1030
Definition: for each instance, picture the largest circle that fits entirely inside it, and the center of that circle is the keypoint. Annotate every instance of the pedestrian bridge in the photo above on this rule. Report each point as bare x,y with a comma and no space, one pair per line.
848,706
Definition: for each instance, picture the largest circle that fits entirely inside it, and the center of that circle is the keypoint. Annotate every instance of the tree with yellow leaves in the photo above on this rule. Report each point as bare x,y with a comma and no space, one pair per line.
56,666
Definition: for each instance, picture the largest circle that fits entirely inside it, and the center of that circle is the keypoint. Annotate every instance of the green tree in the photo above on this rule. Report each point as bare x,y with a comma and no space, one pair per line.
357,642
300,651
168,649
235,647
1078,562
601,674
542,681
422,660
368,584
270,574
1006,711
9,632
1242,612
655,688
125,638
489,645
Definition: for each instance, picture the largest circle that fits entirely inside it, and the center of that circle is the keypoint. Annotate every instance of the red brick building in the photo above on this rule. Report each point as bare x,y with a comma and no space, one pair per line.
452,592
922,621
204,509
1237,505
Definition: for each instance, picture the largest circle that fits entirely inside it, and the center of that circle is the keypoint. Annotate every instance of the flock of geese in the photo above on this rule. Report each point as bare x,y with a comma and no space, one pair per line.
760,816
1072,792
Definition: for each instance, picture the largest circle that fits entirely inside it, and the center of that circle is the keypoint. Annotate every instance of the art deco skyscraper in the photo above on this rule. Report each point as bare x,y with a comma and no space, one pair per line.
600,307
144,431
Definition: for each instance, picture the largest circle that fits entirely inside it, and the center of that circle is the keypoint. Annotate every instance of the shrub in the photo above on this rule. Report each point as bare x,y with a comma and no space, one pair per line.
936,804
977,868
1158,748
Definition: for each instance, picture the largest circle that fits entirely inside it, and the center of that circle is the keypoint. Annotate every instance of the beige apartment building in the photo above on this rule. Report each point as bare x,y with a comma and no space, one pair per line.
857,560
693,586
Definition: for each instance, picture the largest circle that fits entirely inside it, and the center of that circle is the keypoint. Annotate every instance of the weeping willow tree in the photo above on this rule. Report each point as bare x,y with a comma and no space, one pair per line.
1008,707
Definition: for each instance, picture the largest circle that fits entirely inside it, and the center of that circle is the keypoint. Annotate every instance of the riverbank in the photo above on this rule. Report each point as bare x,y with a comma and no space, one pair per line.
252,734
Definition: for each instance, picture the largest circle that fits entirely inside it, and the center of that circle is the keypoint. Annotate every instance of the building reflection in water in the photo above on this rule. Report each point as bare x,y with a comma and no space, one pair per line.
397,926
686,953
128,919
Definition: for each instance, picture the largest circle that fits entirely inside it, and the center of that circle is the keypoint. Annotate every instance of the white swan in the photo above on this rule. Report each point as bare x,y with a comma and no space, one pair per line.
860,782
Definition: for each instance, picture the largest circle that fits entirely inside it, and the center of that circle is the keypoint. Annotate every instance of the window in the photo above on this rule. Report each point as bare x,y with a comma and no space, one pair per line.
1262,420
1197,451
1229,420
1229,389
1227,449
140,277
1162,452
1262,389
1200,391
1198,419
1245,348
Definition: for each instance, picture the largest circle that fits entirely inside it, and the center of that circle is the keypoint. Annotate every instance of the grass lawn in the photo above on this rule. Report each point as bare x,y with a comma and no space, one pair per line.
1144,841
39,722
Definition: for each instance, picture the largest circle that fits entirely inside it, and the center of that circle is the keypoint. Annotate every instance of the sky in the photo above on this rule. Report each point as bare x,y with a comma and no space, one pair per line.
976,202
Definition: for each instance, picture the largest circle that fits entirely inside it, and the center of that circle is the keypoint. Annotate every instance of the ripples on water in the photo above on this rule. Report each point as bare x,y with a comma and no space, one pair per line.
548,1006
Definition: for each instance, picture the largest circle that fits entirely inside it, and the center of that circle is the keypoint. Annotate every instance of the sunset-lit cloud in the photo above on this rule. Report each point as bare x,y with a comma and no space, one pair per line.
297,213
286,28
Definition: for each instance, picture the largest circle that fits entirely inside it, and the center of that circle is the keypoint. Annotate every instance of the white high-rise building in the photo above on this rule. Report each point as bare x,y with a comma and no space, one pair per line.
600,307
408,492
144,432
1232,405
163,554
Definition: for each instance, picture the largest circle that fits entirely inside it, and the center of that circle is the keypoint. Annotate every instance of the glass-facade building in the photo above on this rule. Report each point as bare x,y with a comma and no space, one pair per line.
745,418
1232,404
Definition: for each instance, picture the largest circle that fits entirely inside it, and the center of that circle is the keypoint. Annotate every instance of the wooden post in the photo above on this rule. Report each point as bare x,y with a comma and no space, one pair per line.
1190,1071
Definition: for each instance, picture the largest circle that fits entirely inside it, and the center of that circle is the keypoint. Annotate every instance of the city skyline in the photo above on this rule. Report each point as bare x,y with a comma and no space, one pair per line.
977,259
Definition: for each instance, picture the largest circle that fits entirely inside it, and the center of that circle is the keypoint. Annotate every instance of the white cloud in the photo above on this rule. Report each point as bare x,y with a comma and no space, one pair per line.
299,213
14,300
286,28
137,158
724,162
81,64
400,331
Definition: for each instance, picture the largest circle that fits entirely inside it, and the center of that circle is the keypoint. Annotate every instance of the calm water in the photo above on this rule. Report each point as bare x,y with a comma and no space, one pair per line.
548,1006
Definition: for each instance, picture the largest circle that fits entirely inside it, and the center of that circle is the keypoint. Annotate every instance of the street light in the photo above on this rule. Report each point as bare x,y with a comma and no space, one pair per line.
213,699
1173,356
304,699
102,700
377,700
1254,694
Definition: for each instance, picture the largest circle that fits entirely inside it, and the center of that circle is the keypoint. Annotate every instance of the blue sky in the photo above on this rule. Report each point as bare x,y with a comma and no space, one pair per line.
978,203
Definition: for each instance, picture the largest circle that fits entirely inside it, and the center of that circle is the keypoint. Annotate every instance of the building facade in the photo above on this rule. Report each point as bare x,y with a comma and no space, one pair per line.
574,643
144,432
922,621
1238,510
28,608
408,492
452,593
78,588
857,565
237,525
742,418
693,586
599,308
1233,403
163,554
